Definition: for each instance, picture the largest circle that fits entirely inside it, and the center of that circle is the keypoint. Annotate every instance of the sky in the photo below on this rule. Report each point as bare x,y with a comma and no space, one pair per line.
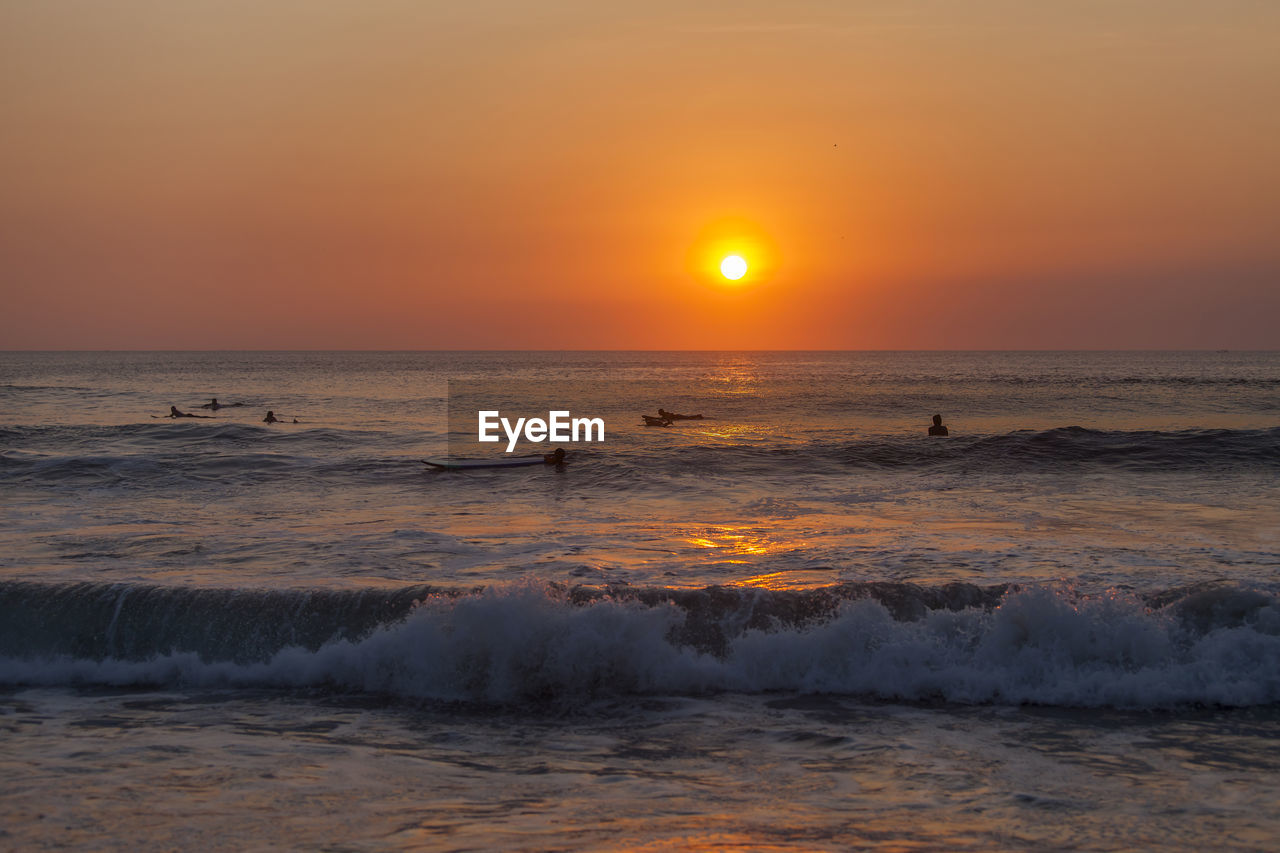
405,174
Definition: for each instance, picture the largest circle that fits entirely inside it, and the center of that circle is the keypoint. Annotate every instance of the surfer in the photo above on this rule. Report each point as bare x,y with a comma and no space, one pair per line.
937,428
556,458
673,416
215,405
174,413
271,418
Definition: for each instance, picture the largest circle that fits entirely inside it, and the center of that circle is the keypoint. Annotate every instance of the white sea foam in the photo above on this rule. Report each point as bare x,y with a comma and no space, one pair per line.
507,645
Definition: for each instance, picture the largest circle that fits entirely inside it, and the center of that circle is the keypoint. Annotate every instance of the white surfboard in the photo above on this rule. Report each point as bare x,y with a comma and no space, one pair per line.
513,462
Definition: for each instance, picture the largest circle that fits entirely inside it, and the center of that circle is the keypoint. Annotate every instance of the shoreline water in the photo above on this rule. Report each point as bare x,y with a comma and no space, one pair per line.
725,772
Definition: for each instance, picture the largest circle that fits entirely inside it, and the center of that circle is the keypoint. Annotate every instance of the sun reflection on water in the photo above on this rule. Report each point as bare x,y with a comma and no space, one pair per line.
740,544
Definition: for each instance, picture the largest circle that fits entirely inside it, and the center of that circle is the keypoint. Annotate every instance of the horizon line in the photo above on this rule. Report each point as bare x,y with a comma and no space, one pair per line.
588,349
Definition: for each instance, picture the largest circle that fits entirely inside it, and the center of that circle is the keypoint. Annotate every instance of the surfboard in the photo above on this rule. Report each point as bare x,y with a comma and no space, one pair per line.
513,462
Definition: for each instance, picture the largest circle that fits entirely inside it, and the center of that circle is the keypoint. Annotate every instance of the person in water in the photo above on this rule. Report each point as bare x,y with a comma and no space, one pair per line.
174,413
556,458
673,416
271,418
937,428
215,405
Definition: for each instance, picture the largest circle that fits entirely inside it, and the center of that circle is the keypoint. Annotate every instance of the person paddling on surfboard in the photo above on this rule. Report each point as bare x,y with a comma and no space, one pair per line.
174,413
215,405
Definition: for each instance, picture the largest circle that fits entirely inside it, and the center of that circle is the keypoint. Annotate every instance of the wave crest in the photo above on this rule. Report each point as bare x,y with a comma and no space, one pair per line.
1217,645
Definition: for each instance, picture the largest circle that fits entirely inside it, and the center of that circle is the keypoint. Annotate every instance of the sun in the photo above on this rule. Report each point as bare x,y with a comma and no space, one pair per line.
732,255
733,267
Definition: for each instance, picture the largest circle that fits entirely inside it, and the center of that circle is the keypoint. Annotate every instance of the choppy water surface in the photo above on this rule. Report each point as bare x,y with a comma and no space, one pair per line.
798,622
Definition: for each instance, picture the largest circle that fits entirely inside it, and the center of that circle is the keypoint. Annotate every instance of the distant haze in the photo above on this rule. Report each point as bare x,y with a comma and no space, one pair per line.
387,174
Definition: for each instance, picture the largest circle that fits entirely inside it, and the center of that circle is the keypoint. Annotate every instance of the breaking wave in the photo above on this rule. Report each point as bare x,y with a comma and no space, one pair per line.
1212,644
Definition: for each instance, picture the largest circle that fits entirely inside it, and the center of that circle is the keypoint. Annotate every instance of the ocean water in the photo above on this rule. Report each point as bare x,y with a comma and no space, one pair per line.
796,623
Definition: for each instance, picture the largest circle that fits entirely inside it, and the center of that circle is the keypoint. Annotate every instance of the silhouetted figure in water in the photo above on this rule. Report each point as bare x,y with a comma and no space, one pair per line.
271,418
174,413
673,416
215,405
556,458
937,428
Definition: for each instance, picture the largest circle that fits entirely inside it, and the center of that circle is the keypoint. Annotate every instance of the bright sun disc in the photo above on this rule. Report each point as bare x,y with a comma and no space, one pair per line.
733,267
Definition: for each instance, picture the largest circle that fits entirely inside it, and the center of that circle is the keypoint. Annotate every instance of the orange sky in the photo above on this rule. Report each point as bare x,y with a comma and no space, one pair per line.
403,174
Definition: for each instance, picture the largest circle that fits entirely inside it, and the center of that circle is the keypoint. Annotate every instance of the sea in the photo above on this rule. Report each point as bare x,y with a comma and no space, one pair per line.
798,622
